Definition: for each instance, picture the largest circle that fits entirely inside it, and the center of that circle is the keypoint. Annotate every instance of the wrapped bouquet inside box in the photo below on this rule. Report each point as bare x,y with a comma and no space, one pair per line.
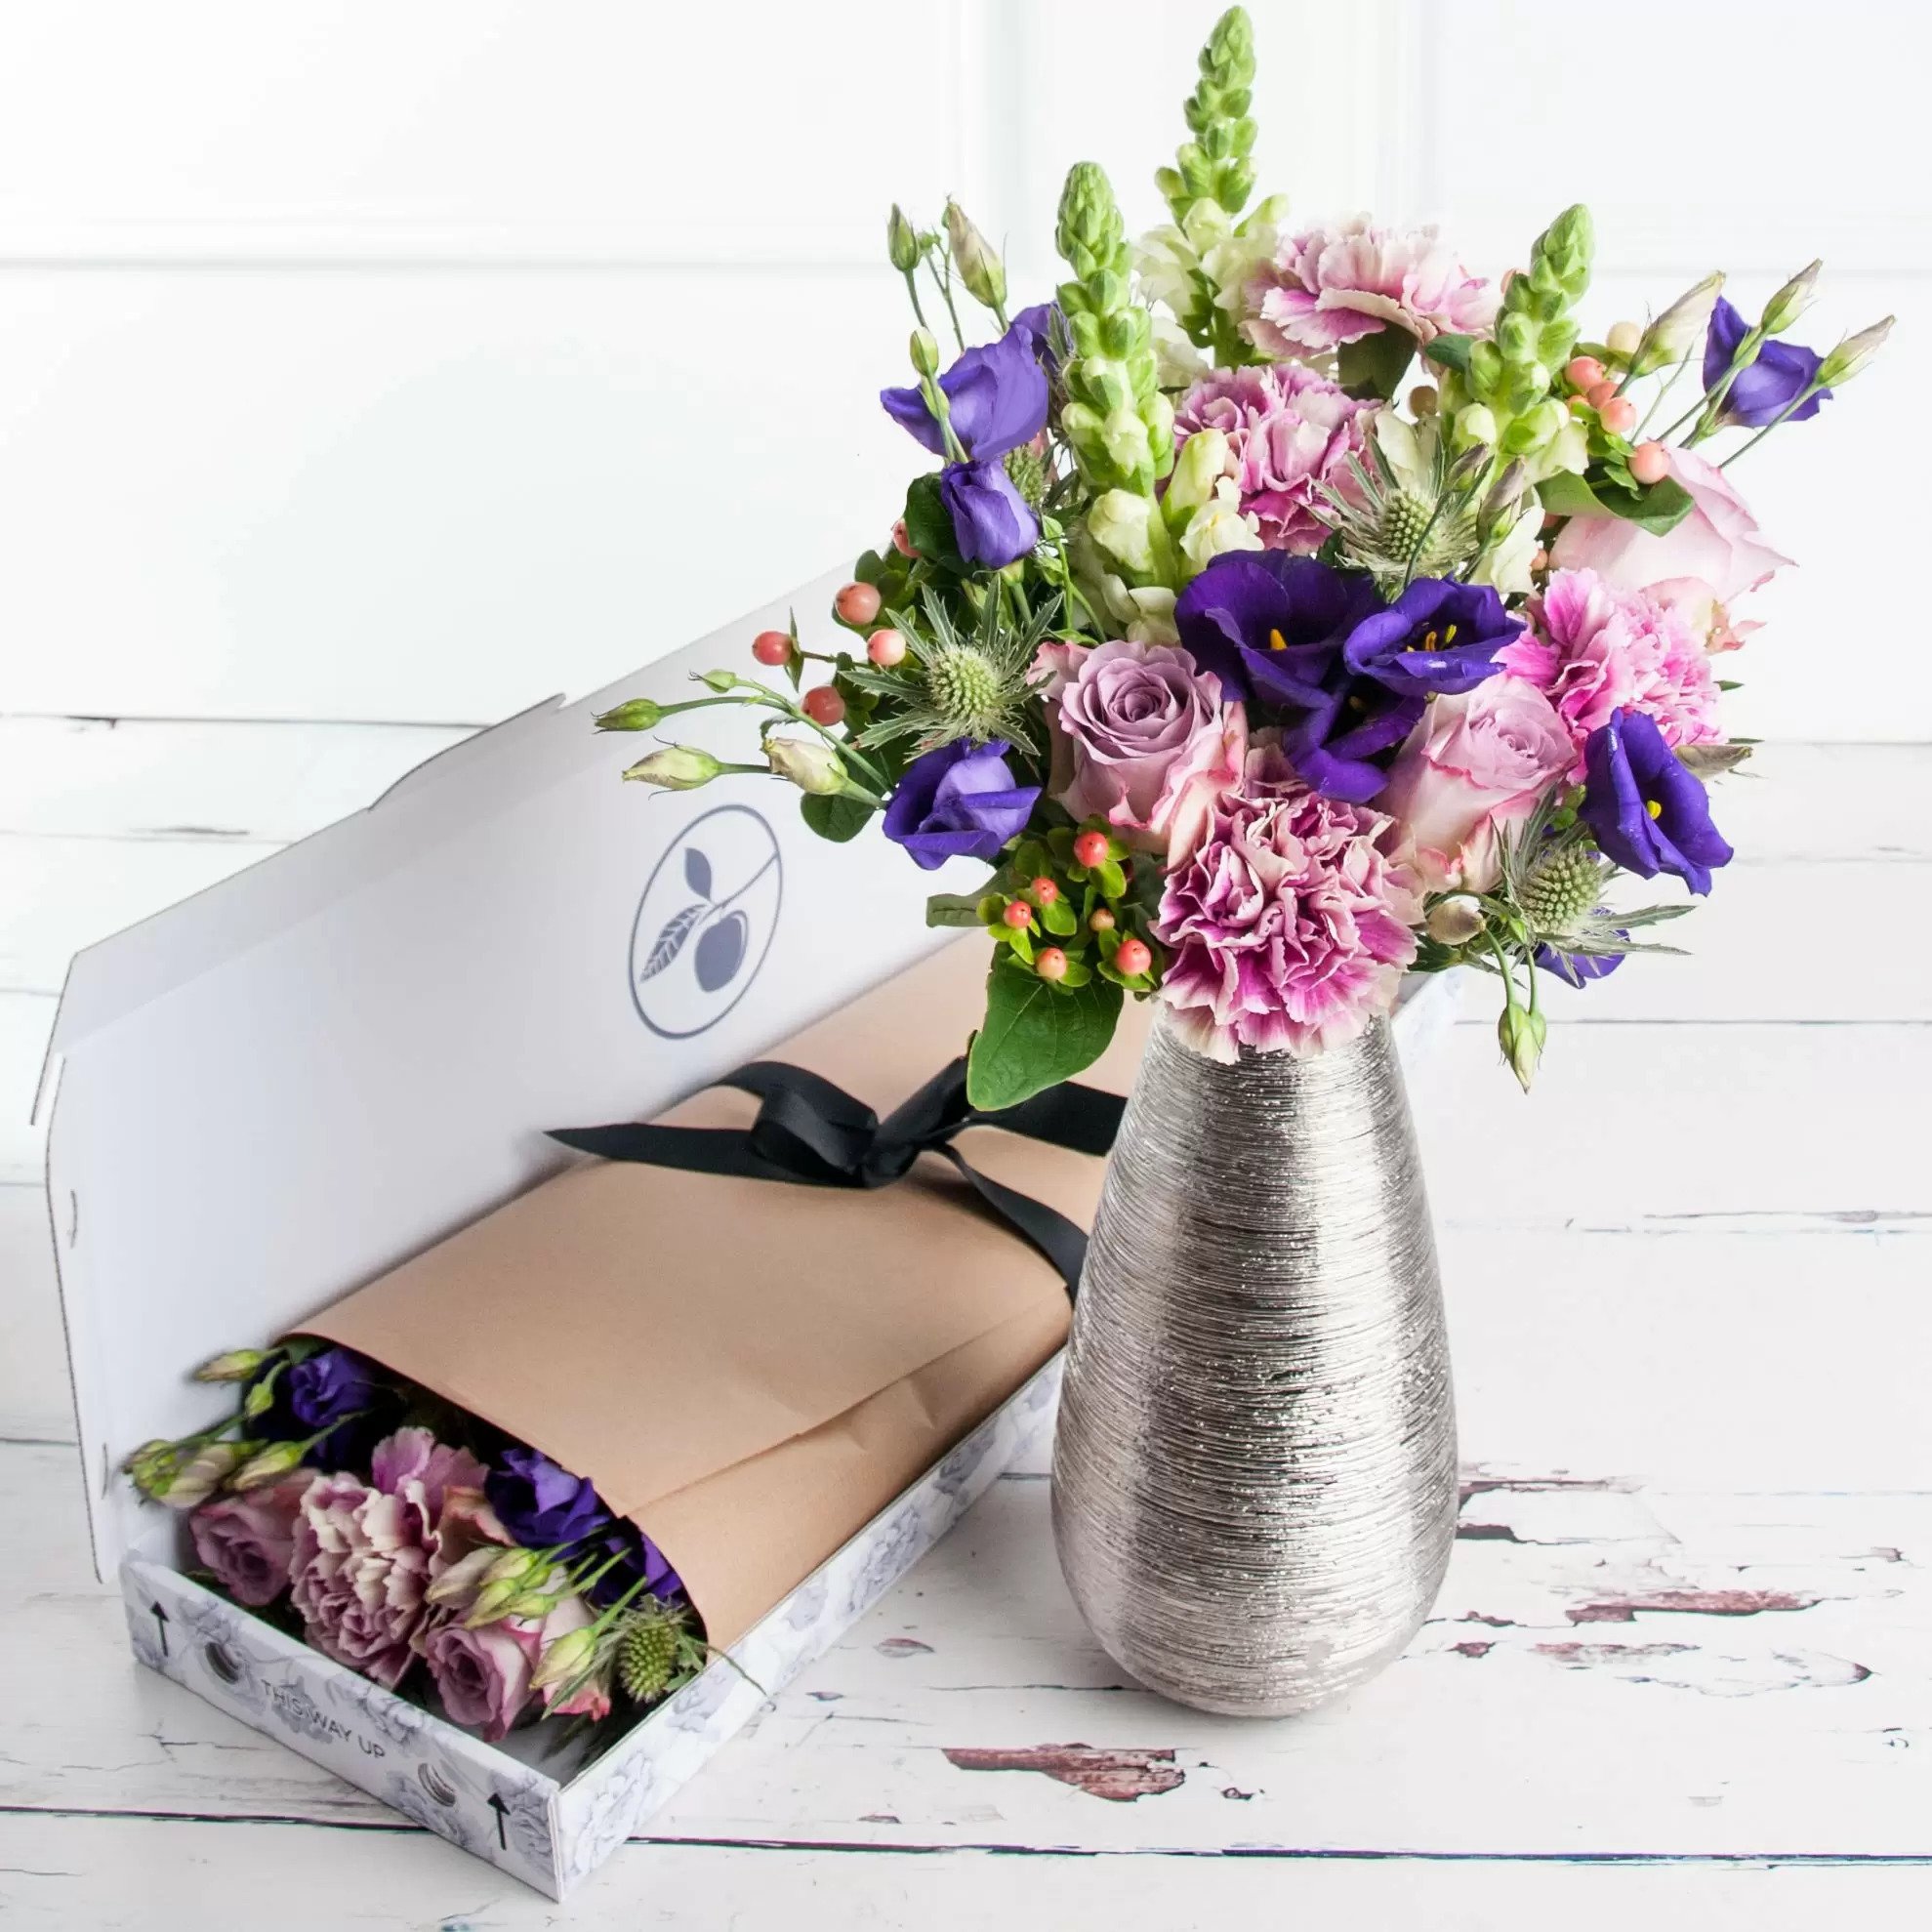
313,1099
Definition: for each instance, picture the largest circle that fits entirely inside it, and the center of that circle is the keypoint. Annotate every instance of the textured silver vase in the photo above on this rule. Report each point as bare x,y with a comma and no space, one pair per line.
1254,1480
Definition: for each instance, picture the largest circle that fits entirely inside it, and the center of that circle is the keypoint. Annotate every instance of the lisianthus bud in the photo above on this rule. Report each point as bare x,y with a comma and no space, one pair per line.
924,353
633,714
1521,1034
568,1656
492,1603
151,1468
902,247
979,266
465,1574
236,1366
1455,920
261,1398
1679,329
517,1566
203,1473
677,768
267,1465
1504,492
1792,301
1853,353
809,764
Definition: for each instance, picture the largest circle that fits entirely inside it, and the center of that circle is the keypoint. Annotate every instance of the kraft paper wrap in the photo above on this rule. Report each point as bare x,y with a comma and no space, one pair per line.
751,1370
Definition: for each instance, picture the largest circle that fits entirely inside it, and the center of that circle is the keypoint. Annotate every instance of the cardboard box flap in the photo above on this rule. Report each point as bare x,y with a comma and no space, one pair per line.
300,1077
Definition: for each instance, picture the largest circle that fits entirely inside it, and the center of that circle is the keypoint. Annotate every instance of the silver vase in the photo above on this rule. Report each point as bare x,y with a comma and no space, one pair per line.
1255,1478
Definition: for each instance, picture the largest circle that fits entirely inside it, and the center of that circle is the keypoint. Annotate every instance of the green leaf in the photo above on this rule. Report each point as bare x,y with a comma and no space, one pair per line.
1059,918
929,524
1112,876
1373,365
1658,510
1450,351
834,817
1034,1037
953,908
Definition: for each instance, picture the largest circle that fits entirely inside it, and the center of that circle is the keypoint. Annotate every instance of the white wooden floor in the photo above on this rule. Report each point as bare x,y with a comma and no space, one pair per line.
1681,1672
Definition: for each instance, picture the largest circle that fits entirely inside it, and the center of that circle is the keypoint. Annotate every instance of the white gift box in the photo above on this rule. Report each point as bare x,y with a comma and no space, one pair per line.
296,1079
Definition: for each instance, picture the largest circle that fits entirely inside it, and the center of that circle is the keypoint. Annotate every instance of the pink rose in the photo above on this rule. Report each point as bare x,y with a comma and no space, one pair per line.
483,1676
1718,543
1475,764
1137,733
1596,649
248,1540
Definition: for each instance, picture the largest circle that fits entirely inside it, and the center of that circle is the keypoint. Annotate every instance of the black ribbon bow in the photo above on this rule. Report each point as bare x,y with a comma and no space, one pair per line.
815,1134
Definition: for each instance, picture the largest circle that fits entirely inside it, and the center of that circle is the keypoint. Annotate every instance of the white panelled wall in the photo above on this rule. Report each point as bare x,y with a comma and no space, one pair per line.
378,363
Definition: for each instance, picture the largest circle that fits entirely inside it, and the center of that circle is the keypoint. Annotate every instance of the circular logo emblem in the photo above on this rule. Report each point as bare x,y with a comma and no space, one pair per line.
705,921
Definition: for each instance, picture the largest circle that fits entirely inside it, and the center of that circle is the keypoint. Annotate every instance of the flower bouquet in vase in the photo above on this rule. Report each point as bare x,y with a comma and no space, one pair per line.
1284,611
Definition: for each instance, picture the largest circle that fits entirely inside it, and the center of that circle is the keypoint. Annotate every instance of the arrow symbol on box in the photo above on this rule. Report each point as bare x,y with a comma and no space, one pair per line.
502,1811
160,1626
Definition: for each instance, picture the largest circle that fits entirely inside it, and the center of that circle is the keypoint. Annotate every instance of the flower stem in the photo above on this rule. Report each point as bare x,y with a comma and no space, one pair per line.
942,273
1797,403
912,289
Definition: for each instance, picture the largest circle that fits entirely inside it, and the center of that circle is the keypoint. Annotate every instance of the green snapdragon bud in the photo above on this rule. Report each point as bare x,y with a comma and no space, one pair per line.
1116,420
1536,331
1214,165
977,261
902,247
1792,301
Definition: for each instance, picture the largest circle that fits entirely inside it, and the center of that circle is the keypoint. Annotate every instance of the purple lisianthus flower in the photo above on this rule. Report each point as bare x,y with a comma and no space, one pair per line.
958,802
333,1386
1039,322
1761,393
1438,638
1578,968
991,522
1269,624
996,396
541,1504
1646,811
642,1562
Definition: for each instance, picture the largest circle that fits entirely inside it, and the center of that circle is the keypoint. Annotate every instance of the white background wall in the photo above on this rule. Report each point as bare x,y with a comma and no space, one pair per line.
361,361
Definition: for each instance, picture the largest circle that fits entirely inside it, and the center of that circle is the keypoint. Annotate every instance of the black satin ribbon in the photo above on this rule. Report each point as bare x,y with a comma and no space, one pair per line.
815,1134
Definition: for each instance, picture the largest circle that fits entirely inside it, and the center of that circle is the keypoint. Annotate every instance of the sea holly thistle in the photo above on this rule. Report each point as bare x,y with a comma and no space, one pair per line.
956,683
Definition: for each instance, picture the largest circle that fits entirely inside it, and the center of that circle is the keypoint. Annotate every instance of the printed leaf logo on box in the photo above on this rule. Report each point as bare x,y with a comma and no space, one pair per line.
705,921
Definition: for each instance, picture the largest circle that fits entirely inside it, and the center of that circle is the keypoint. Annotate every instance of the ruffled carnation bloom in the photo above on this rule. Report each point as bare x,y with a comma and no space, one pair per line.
1140,736
1334,285
367,1552
1290,922
1289,430
248,1540
1596,649
1478,760
1719,543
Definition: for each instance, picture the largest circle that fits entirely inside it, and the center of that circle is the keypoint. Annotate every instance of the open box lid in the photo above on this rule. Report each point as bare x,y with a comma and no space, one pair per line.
293,1081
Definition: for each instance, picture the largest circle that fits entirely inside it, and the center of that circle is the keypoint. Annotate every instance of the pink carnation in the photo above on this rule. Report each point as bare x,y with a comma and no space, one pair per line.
1289,922
367,1552
1289,430
1594,649
1338,284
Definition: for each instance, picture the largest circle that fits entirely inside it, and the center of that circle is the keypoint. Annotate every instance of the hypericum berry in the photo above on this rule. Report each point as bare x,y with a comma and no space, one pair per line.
857,603
901,542
1051,964
1044,891
1584,372
1089,848
772,648
1017,913
823,705
1101,919
1133,958
1623,338
1601,394
1650,463
886,648
1619,416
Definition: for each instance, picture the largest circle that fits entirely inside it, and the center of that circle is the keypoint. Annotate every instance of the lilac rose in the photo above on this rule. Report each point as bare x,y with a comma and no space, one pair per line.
248,1540
1138,732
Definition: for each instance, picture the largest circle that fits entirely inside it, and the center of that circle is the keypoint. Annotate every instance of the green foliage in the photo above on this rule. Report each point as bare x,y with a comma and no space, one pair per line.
837,817
1373,366
1034,1035
954,909
1660,509
1450,351
929,525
